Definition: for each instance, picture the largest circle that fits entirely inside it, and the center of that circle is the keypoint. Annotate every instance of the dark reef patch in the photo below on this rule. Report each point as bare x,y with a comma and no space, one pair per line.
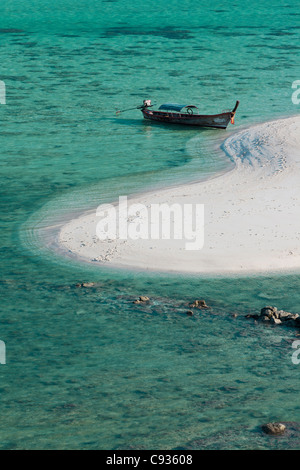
166,32
11,31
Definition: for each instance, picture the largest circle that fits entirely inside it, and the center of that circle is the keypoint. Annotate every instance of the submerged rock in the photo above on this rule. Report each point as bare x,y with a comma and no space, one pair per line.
269,312
265,319
142,299
274,428
85,284
199,304
190,313
256,317
285,316
276,321
88,284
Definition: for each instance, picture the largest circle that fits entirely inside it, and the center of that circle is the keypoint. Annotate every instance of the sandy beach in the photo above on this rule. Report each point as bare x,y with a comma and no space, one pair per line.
251,222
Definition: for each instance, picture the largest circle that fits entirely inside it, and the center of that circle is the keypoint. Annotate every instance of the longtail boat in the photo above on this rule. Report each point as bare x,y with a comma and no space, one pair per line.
187,114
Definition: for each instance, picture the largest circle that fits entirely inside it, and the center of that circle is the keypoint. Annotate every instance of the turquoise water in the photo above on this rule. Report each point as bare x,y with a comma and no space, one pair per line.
86,368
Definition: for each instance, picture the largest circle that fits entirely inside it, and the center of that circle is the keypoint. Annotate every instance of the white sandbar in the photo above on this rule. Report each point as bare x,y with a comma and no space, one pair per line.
252,213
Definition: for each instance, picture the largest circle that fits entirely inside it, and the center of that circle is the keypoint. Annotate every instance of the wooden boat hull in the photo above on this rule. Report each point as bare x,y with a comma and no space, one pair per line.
219,121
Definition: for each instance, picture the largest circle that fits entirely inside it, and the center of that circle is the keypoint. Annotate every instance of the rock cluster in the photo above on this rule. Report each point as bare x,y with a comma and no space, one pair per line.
142,299
277,317
274,428
198,304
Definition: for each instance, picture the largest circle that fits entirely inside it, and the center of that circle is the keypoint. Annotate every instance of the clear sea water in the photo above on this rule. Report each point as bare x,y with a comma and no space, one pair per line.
86,368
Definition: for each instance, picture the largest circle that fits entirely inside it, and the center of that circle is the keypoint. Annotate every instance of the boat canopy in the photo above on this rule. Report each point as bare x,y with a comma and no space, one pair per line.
176,107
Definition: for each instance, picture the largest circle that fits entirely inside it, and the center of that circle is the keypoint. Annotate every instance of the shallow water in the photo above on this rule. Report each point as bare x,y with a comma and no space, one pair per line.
86,368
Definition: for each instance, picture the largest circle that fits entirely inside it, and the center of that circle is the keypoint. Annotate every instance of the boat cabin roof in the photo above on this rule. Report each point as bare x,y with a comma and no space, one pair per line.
176,107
